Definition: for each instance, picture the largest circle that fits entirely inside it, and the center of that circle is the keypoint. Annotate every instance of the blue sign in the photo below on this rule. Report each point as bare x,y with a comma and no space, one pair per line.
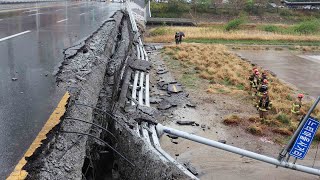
304,139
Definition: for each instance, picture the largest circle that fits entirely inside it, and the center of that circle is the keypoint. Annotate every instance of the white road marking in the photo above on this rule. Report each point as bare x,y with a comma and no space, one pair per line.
35,14
59,9
15,35
30,11
62,20
82,14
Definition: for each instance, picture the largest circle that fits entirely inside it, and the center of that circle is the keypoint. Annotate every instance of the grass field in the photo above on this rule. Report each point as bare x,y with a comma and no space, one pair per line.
214,34
226,73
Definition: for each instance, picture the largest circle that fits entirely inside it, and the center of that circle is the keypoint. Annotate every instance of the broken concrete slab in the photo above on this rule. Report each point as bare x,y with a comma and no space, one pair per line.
162,71
192,169
147,110
163,85
155,100
140,65
189,123
174,88
191,105
165,104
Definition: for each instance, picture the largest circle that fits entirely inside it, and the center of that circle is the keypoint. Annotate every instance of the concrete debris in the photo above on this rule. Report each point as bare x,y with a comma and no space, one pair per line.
172,136
155,100
190,105
158,47
72,81
174,88
192,169
173,141
140,65
222,141
147,110
14,79
80,78
163,85
162,71
165,104
189,123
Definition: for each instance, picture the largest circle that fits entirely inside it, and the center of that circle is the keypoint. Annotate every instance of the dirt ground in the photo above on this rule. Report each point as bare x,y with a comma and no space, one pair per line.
209,112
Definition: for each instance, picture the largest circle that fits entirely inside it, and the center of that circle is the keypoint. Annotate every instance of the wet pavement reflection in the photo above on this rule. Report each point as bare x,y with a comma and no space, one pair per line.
32,58
297,68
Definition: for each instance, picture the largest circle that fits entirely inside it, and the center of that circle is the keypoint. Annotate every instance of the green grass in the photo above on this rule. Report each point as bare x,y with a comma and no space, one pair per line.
234,24
253,42
283,118
189,80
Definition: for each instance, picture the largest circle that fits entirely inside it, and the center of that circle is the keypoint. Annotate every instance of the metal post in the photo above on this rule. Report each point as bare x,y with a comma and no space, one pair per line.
284,152
163,129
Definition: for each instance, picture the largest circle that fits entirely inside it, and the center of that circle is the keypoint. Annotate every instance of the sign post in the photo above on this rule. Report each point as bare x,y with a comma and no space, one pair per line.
304,139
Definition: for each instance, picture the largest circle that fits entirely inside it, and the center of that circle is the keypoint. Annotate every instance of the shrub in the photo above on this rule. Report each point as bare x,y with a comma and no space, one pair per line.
283,131
234,24
307,27
270,28
255,130
232,120
283,118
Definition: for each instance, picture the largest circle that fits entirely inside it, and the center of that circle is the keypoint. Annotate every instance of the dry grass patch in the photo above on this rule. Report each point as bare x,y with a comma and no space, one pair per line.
282,131
226,73
210,33
255,130
232,120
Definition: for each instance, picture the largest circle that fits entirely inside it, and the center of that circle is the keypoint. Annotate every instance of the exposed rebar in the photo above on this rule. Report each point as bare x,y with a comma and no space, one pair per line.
76,119
90,135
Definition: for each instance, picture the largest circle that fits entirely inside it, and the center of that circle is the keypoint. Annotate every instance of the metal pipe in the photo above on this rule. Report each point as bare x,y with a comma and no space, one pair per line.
135,81
163,129
141,79
147,95
157,146
284,152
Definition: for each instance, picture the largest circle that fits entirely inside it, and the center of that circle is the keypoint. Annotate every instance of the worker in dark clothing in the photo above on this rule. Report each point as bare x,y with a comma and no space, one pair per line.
264,106
177,37
262,89
264,76
180,37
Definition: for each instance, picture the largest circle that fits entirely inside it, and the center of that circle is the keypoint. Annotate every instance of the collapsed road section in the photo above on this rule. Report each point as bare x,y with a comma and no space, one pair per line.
100,135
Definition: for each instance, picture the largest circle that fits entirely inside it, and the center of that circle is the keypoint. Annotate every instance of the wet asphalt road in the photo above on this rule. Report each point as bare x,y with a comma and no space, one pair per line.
32,56
300,70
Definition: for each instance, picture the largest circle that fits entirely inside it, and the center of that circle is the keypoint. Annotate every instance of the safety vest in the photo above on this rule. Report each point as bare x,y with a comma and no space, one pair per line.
254,81
296,107
264,104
